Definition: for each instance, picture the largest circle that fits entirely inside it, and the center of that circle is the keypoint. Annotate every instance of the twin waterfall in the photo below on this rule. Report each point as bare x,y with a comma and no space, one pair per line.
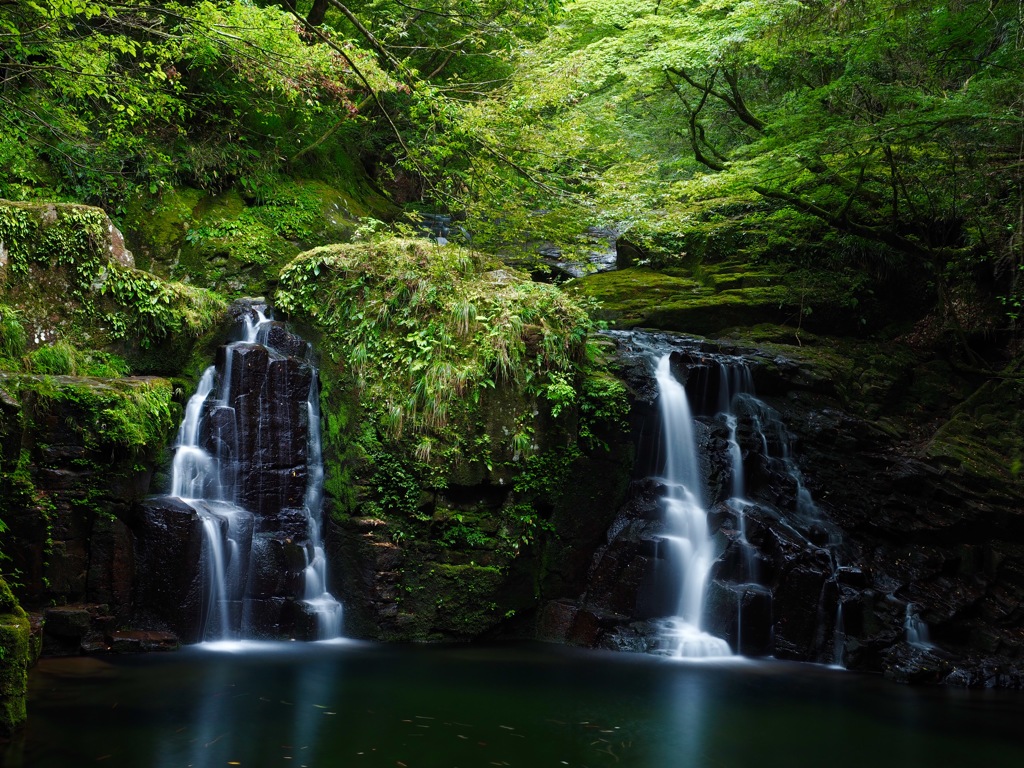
248,461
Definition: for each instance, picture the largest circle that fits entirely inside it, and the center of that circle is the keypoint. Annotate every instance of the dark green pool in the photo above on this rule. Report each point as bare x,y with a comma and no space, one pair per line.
352,705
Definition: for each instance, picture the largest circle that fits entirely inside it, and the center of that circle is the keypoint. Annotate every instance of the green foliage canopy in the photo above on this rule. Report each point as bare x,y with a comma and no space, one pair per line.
890,129
99,99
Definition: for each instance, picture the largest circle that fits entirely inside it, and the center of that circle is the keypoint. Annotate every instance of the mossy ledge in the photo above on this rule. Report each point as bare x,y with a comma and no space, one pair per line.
76,454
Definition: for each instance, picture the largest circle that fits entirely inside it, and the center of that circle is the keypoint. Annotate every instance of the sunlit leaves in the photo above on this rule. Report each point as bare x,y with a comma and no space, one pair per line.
108,93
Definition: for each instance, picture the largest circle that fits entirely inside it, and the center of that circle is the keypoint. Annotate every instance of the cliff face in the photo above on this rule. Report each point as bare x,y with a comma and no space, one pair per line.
885,535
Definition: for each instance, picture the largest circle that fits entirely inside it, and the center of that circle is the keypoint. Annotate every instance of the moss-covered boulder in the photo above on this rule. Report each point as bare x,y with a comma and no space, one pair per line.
468,421
66,272
237,241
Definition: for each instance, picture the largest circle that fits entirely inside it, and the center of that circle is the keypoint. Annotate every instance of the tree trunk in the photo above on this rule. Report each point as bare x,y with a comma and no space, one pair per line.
317,12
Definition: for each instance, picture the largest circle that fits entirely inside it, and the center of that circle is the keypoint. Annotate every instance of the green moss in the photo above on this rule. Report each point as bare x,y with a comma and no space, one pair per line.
157,228
150,310
15,658
427,333
133,414
238,241
643,297
708,298
985,435
444,602
68,276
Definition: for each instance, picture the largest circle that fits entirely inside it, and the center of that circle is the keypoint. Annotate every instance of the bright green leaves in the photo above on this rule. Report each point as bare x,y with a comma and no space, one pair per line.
881,119
426,329
100,100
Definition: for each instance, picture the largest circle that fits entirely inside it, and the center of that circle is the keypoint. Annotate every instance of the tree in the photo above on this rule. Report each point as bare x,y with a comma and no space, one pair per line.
101,98
896,125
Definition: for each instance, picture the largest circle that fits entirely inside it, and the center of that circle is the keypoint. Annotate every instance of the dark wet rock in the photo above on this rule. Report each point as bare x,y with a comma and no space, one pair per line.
134,641
277,566
286,343
264,427
270,618
170,589
74,629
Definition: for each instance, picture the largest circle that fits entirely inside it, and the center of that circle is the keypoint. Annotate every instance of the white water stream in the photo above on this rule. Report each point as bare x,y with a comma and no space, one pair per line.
690,553
206,481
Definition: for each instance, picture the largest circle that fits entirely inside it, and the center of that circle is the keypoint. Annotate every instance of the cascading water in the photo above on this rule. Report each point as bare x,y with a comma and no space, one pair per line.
736,553
915,629
690,552
248,462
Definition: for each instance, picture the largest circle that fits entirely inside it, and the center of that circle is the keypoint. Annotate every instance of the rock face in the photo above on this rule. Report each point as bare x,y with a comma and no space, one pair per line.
169,588
475,552
76,456
848,542
268,425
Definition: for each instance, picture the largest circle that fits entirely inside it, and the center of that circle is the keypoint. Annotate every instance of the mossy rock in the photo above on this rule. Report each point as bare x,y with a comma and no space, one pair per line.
984,438
236,242
452,602
678,300
707,298
67,273
15,659
156,229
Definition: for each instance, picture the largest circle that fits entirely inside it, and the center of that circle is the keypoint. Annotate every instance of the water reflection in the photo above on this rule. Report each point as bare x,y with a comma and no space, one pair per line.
337,706
262,701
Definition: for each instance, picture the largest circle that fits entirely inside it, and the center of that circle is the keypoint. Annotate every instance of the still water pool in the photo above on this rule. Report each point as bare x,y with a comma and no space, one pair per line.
352,705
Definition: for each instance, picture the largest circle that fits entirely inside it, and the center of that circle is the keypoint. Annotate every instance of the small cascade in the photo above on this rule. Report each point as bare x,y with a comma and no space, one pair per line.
248,463
803,519
321,602
915,628
690,552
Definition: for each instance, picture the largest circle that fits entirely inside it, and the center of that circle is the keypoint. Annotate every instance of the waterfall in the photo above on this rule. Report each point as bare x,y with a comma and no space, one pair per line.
737,552
326,609
804,520
690,552
248,462
915,629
